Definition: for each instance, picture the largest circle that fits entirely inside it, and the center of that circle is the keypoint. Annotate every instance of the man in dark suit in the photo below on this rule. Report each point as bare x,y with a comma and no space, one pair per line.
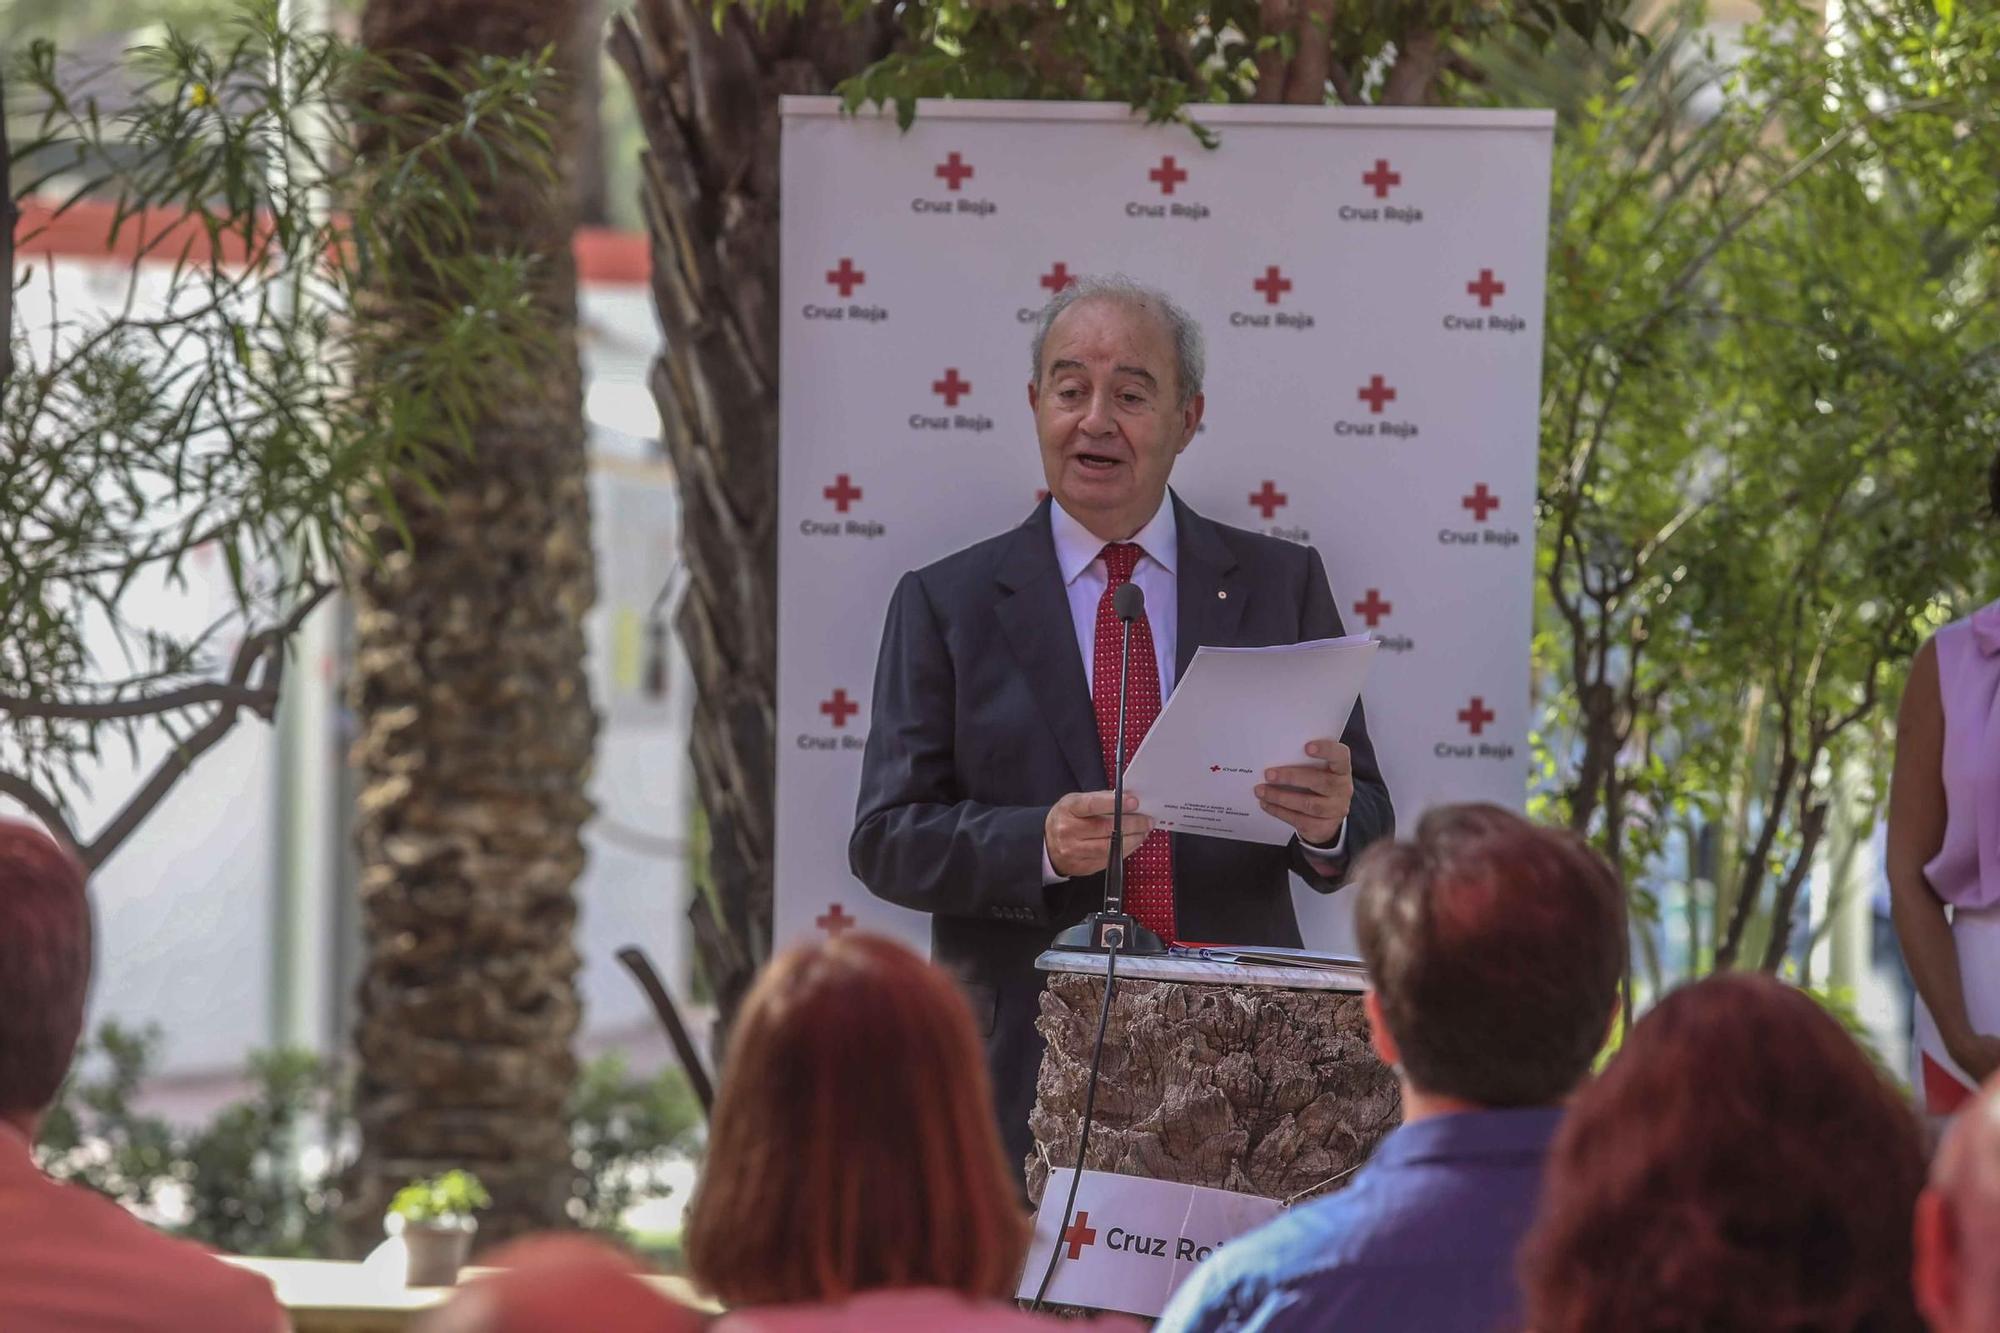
984,794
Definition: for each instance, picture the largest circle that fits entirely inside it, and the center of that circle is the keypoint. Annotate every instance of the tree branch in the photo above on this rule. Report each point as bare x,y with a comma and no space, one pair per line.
40,806
266,647
119,710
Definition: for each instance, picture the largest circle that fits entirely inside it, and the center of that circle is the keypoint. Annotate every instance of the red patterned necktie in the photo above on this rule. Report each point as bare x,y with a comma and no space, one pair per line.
1149,872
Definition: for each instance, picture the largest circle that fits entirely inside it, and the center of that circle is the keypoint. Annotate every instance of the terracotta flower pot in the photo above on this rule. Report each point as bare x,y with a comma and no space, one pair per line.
436,1251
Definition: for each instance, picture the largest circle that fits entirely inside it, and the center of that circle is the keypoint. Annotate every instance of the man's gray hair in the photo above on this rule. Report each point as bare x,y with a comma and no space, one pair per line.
1190,359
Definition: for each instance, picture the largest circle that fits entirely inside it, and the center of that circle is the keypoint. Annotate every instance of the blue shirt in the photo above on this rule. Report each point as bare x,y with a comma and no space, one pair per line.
1425,1238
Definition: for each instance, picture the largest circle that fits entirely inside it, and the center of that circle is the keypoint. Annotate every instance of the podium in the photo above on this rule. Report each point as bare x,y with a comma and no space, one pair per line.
1255,1079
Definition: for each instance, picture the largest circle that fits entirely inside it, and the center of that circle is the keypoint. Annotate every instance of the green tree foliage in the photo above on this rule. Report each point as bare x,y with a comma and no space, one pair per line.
224,410
1160,55
1770,397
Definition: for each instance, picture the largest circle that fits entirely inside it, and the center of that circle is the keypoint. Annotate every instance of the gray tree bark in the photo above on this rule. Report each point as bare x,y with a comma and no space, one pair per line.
476,727
1262,1091
708,101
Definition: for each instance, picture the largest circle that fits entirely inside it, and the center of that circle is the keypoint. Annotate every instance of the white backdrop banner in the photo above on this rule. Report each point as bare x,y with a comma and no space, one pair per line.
1370,283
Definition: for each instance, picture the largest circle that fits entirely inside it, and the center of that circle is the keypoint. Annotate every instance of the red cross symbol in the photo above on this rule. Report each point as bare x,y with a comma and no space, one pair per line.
1481,502
1272,284
1476,715
953,171
1270,500
1167,174
1372,608
846,277
834,921
1375,394
1486,288
839,707
1381,179
1079,1234
951,388
1058,277
843,493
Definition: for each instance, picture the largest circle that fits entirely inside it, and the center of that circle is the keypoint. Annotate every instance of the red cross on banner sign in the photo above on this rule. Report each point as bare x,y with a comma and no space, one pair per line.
951,388
1381,180
846,277
1131,1241
1369,285
1268,500
954,172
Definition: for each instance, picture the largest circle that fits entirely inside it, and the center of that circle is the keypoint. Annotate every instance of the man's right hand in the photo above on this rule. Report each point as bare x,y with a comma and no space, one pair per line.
1077,832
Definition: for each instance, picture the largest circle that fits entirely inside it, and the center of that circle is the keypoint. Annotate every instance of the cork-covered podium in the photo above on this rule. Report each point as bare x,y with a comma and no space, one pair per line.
1257,1079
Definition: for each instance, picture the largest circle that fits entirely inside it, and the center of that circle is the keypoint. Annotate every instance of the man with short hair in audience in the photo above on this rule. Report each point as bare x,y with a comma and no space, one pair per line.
1957,1260
70,1260
1495,950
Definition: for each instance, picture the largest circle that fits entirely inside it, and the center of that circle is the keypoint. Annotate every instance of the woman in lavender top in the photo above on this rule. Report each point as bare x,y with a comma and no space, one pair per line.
1944,849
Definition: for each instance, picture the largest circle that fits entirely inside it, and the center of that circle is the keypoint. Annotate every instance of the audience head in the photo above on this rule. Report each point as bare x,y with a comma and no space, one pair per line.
1741,1166
44,969
1958,1223
1495,948
560,1284
854,1145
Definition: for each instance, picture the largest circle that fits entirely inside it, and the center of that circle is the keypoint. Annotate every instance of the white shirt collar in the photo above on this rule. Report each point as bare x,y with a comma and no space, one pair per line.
1077,546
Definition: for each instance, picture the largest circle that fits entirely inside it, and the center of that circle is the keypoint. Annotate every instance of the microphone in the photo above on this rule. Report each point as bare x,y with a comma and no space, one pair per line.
1111,929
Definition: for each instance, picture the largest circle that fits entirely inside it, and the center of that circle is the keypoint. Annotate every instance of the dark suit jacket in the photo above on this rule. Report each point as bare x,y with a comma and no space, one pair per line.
982,720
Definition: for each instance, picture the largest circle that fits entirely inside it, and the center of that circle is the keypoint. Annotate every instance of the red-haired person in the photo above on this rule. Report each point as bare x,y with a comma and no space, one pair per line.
1741,1166
71,1261
853,1179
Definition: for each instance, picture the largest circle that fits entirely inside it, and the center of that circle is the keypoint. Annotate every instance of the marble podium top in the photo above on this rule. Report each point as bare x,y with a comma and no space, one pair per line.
1208,972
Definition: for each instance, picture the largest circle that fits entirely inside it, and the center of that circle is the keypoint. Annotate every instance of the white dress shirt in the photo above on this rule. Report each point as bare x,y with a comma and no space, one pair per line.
1080,558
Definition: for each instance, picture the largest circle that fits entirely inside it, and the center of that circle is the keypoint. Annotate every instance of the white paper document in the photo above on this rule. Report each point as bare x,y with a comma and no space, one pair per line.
1237,712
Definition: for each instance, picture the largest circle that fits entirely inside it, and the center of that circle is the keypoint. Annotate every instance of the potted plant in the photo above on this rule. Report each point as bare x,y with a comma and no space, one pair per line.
438,1222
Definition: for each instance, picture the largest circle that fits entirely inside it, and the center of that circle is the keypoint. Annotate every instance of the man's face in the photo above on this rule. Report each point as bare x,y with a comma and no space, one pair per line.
1107,415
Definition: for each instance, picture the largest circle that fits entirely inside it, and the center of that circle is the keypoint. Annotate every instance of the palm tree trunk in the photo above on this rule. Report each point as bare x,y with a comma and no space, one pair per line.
708,102
475,725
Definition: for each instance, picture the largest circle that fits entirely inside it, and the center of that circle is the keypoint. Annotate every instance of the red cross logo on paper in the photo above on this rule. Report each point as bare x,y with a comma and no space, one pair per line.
1058,277
835,920
846,277
1481,502
1381,180
1269,500
951,388
954,171
1476,715
1273,284
1079,1234
839,707
843,493
1168,174
1375,393
1372,608
1486,288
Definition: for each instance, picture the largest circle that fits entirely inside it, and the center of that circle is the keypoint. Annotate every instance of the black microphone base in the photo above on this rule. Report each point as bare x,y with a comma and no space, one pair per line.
1097,932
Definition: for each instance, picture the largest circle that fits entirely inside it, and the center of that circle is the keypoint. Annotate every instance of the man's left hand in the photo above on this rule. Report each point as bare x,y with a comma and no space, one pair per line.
1312,798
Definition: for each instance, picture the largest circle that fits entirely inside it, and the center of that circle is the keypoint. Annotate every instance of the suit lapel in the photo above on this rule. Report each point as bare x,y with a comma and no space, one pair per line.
1211,590
1033,612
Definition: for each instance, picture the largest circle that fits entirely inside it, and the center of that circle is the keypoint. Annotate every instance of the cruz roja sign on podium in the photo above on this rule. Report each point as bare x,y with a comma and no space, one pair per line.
1131,1241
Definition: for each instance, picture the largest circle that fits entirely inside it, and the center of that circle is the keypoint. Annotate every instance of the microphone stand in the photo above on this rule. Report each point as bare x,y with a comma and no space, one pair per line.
1112,929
